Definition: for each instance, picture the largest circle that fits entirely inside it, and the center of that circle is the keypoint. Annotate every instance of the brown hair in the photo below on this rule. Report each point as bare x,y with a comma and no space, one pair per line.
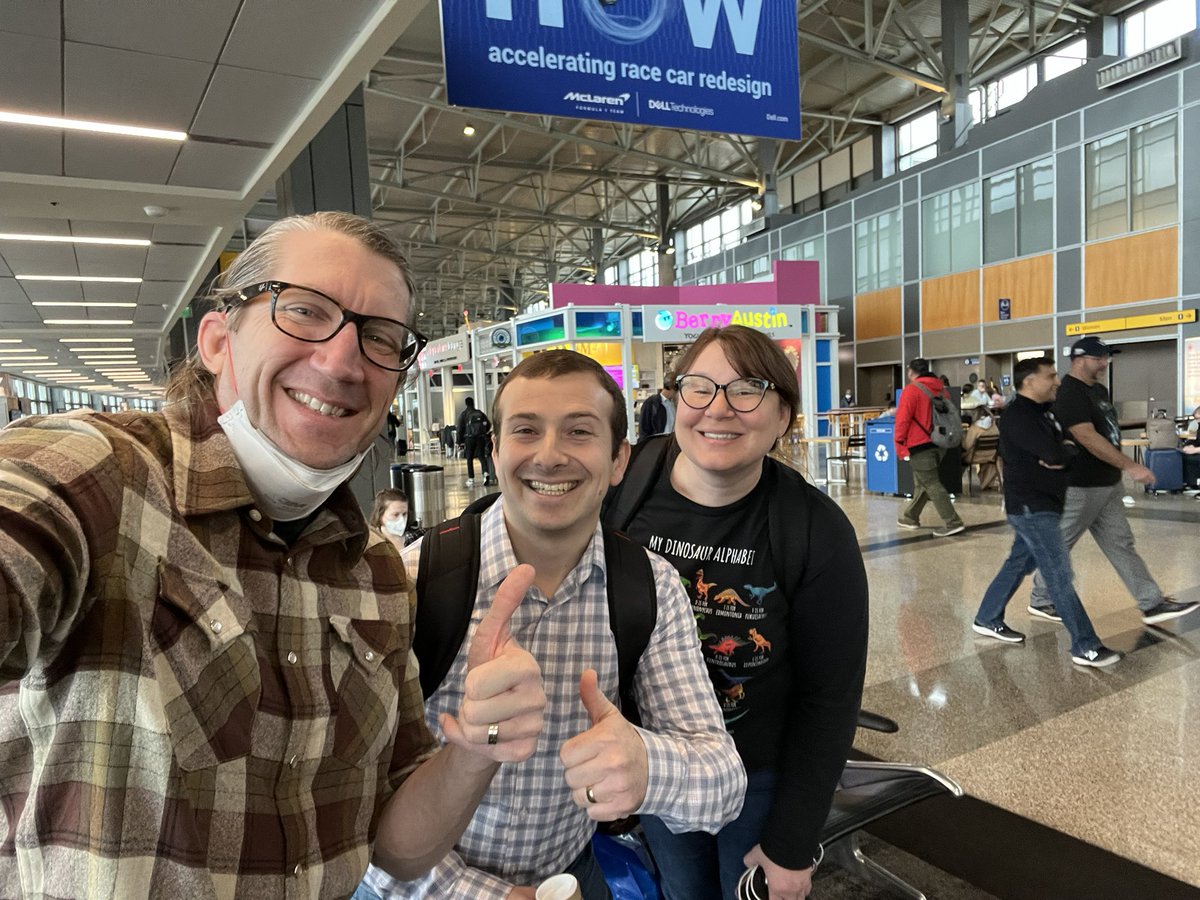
555,363
752,355
189,379
382,499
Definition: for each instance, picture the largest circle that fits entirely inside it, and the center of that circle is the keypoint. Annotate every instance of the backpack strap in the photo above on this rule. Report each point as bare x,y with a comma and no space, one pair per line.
646,461
449,570
632,609
928,393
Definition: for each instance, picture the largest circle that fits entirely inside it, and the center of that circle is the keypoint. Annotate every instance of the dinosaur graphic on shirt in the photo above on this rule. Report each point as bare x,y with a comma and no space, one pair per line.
730,596
761,644
758,594
726,645
701,634
702,586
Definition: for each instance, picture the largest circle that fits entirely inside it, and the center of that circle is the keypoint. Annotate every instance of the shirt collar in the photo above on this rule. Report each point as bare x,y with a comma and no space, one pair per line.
497,559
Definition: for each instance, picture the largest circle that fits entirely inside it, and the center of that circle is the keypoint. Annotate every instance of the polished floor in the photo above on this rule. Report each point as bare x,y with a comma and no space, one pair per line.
1106,756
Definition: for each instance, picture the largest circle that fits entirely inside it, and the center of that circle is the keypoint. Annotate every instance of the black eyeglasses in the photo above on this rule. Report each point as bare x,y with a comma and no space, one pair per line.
742,394
308,315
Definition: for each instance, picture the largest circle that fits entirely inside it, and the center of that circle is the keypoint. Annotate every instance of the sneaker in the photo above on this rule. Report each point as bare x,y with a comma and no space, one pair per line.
470,482
947,530
1000,632
908,524
1045,612
1098,658
1169,609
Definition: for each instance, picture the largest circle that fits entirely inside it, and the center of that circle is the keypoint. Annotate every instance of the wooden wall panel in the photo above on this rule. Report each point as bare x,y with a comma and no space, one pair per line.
951,301
877,314
1132,269
1028,282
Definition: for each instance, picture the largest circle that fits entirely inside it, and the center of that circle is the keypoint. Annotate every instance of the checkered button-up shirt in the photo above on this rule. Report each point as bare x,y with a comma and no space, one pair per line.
527,828
189,708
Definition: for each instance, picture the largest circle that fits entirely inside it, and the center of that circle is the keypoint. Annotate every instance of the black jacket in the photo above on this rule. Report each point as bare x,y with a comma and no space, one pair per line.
1029,436
653,417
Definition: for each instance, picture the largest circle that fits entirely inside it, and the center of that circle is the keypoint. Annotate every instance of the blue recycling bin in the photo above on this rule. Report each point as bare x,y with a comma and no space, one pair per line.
882,476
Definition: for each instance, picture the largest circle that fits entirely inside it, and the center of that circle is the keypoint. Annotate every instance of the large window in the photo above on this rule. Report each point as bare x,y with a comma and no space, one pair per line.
877,252
950,231
721,232
1011,88
643,268
916,140
1158,23
1018,212
1132,180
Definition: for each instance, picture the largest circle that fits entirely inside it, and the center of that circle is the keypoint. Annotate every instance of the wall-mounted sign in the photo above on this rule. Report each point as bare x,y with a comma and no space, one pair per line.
709,65
1153,320
445,352
501,337
539,331
673,324
1004,311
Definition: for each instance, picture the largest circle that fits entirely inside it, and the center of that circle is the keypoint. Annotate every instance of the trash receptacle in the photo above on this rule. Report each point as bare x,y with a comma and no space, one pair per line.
399,476
426,489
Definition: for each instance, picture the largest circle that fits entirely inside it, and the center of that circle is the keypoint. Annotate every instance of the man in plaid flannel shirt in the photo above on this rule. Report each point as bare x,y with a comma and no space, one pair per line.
560,427
206,687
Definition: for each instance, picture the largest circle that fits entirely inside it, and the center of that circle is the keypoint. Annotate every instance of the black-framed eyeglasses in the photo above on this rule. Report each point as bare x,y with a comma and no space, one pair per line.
742,394
308,315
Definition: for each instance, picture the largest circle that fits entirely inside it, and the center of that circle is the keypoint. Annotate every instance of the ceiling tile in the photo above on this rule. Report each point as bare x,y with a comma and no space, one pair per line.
30,74
193,31
31,258
30,17
148,315
30,225
53,290
156,293
250,105
122,261
4,269
182,234
111,293
218,166
305,50
111,229
115,158
133,88
19,315
171,263
11,291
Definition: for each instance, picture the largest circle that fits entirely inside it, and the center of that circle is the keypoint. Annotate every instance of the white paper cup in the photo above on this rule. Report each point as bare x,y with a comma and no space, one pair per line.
560,887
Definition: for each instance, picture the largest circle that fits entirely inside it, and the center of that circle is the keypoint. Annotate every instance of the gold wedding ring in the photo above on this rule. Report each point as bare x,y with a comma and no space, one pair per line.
494,733
587,792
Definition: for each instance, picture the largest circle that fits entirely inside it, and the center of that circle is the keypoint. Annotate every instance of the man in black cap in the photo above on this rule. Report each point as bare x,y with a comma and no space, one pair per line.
1094,491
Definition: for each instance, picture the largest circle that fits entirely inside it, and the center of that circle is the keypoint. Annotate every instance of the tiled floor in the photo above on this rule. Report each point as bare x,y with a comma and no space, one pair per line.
1108,756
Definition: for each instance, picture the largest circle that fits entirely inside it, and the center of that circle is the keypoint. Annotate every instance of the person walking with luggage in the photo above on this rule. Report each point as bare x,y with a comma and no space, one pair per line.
1095,489
1036,459
474,427
779,593
914,442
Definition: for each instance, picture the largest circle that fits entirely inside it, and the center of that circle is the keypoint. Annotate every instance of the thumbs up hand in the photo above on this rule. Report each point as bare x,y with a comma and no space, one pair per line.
500,717
606,766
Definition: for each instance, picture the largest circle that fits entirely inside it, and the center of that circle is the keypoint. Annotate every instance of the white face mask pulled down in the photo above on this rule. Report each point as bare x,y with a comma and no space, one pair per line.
285,489
396,526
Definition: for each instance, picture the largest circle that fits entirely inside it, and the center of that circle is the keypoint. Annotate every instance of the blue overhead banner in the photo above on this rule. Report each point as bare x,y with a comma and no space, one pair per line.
710,65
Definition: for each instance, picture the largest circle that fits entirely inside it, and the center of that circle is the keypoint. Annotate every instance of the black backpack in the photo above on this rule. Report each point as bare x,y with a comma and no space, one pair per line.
946,430
788,521
477,424
448,577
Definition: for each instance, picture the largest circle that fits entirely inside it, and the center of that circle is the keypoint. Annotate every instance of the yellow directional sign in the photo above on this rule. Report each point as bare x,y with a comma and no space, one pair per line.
1152,320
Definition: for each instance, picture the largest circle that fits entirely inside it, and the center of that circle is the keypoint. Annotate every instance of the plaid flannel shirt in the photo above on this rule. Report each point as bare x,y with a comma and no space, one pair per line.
527,828
189,708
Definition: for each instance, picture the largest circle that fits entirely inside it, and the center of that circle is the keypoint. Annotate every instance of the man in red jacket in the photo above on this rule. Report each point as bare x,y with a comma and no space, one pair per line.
914,422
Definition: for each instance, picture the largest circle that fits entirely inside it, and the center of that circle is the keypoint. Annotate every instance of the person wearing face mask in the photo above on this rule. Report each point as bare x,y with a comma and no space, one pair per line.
205,672
390,518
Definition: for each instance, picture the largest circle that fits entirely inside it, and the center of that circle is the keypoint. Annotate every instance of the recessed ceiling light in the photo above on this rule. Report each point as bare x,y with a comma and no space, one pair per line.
469,130
18,340
107,279
85,303
87,321
72,239
16,118
17,350
93,340
21,360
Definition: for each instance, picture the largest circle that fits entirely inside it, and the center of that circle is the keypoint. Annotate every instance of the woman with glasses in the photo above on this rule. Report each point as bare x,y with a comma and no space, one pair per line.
781,618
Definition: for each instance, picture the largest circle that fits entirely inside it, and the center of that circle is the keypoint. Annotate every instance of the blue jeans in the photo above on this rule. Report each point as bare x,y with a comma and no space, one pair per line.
585,868
696,865
1039,545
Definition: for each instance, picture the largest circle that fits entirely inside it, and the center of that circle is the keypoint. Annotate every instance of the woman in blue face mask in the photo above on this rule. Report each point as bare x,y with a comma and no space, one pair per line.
390,518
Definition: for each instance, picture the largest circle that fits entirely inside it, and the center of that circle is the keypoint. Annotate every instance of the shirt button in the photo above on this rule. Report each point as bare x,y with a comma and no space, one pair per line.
299,868
369,656
293,761
215,625
292,657
255,515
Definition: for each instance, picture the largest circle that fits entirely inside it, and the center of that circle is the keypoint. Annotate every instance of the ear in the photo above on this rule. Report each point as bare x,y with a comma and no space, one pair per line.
619,464
785,420
212,337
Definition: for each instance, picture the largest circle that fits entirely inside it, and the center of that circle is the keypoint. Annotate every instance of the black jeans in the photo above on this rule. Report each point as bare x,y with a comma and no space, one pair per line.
477,448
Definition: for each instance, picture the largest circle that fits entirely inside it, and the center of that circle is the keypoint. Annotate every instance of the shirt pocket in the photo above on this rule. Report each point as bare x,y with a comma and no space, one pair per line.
206,668
365,666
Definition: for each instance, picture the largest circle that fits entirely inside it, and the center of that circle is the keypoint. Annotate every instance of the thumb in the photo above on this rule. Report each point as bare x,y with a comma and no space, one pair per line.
493,632
598,706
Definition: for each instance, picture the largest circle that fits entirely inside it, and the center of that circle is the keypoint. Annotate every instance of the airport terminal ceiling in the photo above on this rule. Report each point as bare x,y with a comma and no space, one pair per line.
488,220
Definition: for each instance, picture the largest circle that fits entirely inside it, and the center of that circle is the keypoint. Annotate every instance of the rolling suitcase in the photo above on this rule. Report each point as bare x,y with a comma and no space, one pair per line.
1167,466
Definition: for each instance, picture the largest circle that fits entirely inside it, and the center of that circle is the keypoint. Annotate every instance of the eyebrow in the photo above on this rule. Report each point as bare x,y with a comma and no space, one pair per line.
537,417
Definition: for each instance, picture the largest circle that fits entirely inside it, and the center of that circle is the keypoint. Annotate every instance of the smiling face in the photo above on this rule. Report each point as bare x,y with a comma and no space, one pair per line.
554,456
1042,385
1089,369
718,441
321,404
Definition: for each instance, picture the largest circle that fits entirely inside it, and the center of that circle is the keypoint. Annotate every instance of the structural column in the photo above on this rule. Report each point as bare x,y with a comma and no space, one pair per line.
332,172
956,64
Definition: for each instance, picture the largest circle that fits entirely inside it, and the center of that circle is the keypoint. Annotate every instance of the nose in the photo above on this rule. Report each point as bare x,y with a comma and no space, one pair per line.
549,453
339,357
724,409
